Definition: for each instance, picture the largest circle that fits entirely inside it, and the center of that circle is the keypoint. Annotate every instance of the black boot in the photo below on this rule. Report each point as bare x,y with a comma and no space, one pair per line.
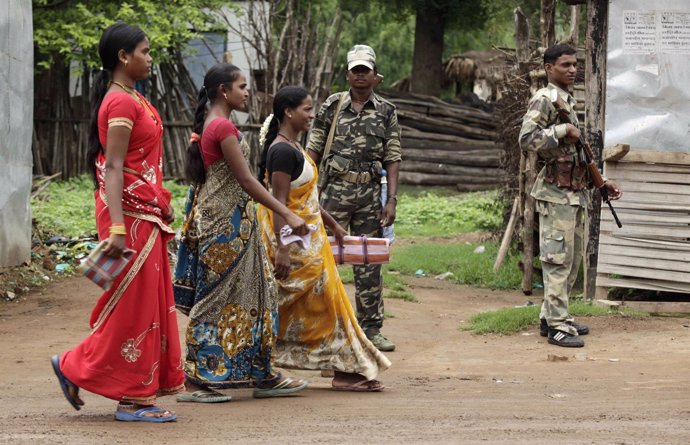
561,338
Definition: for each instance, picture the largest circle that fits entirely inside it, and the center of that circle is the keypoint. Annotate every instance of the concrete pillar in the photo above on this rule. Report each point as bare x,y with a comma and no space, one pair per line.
16,127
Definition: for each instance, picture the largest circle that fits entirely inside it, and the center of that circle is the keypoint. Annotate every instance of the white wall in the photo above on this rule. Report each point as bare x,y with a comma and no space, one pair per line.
16,126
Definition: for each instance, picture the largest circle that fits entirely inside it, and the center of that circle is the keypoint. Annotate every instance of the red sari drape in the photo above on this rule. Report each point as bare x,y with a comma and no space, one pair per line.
133,352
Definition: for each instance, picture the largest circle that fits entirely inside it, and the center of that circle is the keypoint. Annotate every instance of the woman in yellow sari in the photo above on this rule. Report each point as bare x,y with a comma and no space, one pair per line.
318,329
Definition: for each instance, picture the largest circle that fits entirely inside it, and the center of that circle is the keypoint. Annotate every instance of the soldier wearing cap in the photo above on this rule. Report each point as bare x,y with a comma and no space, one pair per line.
366,138
561,194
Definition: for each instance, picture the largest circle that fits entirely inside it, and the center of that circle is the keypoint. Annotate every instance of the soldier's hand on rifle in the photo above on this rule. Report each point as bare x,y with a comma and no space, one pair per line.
614,191
572,133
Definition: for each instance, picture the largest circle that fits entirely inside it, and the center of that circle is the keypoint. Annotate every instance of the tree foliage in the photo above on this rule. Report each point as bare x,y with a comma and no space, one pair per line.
71,29
389,25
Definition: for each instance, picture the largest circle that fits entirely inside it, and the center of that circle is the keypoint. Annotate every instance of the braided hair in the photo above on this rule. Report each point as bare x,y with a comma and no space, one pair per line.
219,74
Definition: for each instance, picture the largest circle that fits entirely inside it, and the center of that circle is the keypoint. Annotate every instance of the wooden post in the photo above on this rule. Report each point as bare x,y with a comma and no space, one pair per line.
548,22
595,103
527,165
521,37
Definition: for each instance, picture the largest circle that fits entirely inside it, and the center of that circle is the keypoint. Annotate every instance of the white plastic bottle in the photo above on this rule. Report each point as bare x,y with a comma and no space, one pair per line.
388,231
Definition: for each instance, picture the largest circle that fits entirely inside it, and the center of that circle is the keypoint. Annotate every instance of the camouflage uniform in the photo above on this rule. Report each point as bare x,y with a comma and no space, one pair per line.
350,182
561,210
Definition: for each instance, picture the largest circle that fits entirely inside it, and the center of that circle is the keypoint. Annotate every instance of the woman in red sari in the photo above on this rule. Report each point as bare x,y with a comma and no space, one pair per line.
133,352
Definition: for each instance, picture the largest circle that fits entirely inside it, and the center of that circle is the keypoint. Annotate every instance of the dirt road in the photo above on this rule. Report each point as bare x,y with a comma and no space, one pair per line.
629,385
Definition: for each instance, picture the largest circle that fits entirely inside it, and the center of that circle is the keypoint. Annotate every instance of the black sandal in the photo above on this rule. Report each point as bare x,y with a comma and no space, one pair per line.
65,384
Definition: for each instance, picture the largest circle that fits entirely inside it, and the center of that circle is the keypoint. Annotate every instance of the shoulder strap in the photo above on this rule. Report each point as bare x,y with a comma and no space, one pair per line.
331,133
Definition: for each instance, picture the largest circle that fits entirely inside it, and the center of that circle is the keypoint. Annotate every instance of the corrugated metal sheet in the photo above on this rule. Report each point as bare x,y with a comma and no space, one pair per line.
648,75
16,124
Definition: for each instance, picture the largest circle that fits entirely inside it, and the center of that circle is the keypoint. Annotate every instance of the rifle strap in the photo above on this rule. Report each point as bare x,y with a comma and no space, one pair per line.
329,142
331,132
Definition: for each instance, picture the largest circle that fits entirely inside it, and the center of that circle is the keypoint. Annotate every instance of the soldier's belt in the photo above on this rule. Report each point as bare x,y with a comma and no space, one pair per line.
356,177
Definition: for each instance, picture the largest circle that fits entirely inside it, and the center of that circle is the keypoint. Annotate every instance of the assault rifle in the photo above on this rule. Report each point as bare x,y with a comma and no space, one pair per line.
584,147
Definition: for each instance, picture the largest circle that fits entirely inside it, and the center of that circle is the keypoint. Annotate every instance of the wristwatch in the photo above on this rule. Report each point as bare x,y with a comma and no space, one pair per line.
392,197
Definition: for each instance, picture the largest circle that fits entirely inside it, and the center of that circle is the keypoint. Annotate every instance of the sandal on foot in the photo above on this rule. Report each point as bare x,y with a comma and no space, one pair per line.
65,384
281,388
203,396
361,386
140,415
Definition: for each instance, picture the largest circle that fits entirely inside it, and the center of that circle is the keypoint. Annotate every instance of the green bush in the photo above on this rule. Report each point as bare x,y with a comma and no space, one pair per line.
430,213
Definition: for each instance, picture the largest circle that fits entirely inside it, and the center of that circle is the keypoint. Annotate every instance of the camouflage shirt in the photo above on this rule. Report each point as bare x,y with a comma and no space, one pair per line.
372,135
541,132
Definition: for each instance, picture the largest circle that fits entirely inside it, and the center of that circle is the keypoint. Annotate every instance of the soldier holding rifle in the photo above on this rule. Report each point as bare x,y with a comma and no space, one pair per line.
550,128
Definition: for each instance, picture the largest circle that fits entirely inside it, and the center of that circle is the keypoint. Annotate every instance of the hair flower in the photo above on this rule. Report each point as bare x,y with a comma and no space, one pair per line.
264,130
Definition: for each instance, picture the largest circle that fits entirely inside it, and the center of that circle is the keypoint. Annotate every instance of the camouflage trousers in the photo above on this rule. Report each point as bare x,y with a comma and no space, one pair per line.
561,229
356,207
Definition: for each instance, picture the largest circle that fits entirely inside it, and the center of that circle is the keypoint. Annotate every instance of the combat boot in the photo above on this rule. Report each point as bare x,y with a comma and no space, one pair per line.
381,342
561,338
544,328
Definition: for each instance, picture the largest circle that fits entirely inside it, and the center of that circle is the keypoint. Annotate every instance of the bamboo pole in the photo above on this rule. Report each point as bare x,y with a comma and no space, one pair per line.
508,235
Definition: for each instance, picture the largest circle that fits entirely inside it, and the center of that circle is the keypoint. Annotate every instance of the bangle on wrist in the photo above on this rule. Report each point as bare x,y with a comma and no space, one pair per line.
392,197
118,229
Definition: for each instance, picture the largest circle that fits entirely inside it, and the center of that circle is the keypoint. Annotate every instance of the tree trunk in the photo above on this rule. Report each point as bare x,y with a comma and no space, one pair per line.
595,84
428,51
574,25
521,37
548,23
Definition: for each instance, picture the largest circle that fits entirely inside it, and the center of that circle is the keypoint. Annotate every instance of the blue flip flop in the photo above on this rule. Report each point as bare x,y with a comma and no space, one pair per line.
140,415
65,384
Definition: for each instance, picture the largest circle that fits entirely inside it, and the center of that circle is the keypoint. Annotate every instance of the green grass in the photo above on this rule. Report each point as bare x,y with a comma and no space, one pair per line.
469,268
421,212
400,295
347,276
511,320
68,208
395,284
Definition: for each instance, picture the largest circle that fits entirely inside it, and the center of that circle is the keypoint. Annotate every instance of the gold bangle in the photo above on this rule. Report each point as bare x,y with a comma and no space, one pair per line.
118,229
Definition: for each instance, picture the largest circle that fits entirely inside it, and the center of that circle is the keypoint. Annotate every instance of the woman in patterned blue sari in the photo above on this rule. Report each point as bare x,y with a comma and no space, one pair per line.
223,279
